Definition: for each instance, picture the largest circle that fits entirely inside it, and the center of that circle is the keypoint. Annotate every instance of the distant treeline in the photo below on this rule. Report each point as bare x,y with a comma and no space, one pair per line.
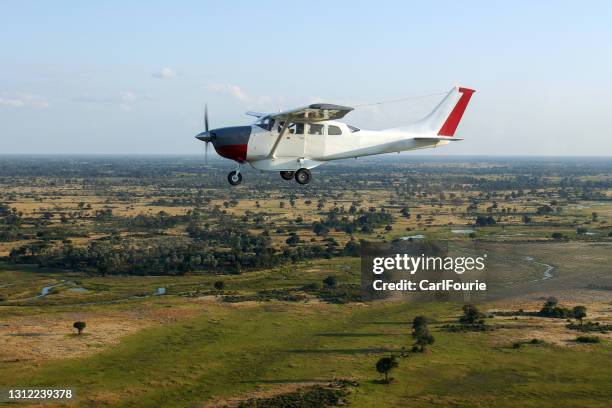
240,250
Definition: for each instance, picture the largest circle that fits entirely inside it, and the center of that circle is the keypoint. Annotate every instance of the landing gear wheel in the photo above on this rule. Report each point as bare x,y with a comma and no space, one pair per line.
234,178
303,176
286,175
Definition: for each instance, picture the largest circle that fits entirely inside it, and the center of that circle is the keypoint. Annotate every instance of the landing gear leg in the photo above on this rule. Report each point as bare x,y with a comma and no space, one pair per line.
302,176
286,175
234,177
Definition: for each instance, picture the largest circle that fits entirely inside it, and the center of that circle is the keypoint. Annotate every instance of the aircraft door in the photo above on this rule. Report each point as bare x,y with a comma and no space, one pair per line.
315,141
293,142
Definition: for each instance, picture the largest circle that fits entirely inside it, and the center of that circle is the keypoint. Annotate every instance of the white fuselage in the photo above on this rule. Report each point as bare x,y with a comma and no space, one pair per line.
306,147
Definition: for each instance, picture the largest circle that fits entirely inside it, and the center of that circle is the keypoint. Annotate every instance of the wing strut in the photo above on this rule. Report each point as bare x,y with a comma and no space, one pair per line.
278,139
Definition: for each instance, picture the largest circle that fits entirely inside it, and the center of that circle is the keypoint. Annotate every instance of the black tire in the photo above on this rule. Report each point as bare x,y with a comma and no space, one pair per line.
234,178
303,176
286,175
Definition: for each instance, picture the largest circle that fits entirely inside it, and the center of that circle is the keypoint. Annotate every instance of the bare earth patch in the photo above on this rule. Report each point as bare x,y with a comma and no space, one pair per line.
553,331
51,336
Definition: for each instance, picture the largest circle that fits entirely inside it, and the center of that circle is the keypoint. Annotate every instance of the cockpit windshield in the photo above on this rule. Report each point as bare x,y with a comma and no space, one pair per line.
266,123
353,128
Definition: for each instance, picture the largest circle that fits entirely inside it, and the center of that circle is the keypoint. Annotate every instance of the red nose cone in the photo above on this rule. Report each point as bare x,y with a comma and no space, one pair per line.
236,152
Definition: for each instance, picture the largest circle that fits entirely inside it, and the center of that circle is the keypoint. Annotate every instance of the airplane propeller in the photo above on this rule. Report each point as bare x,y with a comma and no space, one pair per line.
206,136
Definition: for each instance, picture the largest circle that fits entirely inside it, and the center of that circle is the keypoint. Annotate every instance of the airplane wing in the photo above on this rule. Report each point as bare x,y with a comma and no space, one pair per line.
315,112
256,114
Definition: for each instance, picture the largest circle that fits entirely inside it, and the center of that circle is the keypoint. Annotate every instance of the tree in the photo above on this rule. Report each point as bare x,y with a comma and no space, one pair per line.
320,229
420,332
471,314
385,365
219,285
293,239
557,235
352,248
579,313
483,221
330,281
424,338
544,209
550,304
80,326
419,322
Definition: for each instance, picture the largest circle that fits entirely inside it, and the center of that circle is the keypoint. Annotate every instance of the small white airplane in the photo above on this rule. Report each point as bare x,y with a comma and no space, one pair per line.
295,141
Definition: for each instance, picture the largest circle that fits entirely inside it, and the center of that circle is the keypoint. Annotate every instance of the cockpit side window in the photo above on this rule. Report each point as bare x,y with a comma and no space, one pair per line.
315,129
293,128
334,130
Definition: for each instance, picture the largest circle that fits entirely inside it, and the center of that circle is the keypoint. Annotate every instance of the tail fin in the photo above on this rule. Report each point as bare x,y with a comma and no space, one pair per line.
444,119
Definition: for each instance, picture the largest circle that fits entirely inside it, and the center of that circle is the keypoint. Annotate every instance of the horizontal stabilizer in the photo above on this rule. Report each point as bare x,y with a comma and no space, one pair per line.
438,138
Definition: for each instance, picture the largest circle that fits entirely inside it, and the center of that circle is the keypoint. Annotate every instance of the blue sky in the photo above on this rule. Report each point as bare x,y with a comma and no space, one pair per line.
109,77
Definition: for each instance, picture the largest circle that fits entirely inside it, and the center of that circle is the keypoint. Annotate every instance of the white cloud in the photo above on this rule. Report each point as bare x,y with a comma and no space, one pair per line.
233,90
125,100
128,96
165,73
22,99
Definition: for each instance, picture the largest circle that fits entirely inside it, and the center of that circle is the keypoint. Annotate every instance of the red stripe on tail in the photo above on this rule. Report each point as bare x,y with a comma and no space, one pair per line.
450,126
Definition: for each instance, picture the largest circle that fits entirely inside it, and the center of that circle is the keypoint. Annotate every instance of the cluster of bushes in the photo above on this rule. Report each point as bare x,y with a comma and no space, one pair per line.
364,222
519,344
286,295
329,291
471,320
588,339
590,327
310,397
552,310
161,220
332,291
196,201
340,294
483,221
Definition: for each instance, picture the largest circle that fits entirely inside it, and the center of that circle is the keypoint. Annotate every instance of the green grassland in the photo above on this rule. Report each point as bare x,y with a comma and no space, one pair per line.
227,351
